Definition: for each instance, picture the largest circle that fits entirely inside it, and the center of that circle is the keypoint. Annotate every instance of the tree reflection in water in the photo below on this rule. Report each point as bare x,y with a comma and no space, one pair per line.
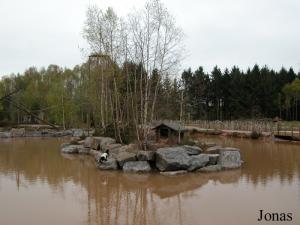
119,198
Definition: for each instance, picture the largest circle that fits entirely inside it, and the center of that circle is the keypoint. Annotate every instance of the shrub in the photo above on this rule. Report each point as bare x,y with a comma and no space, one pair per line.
98,132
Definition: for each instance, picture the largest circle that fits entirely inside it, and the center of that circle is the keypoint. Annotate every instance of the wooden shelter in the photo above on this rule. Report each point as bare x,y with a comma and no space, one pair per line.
169,131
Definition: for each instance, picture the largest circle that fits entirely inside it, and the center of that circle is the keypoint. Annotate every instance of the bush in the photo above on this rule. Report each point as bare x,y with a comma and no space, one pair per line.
127,134
109,131
98,132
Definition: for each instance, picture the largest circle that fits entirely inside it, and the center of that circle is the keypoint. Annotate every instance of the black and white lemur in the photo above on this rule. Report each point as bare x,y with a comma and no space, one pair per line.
103,157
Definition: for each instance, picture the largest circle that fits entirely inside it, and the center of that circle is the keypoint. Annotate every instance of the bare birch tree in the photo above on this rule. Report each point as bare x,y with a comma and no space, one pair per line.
149,39
158,45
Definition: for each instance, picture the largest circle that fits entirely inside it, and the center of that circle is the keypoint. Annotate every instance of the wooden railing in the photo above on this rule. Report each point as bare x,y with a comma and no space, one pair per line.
259,126
244,125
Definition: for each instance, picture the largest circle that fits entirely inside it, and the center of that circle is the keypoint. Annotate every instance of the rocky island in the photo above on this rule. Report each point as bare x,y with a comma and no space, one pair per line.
171,160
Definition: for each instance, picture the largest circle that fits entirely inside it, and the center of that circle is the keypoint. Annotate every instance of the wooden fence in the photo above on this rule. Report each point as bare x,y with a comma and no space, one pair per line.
279,128
259,126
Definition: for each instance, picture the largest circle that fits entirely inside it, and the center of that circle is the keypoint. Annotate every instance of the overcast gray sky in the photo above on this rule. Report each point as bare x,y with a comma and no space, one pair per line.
218,32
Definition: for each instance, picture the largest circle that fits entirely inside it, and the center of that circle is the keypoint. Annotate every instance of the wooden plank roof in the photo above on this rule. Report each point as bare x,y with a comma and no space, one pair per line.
172,125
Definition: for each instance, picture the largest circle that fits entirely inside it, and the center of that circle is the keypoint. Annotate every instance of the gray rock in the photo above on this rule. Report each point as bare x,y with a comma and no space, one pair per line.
213,159
230,159
211,168
64,145
213,150
111,147
106,141
124,157
115,152
17,132
67,133
34,133
70,149
77,132
110,164
136,166
192,150
174,173
198,161
88,142
5,134
146,155
100,143
83,150
56,133
172,158
228,149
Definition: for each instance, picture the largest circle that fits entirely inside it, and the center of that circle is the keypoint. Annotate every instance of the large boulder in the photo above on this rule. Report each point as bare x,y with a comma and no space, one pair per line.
100,143
146,155
110,164
70,149
198,161
192,150
88,142
211,168
115,151
106,141
124,157
172,158
111,147
136,166
230,158
133,148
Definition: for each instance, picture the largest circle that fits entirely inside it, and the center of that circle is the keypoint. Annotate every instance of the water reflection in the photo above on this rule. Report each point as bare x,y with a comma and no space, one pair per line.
98,197
265,159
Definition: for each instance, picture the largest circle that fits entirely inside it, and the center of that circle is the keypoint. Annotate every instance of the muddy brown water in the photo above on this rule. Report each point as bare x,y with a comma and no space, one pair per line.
40,186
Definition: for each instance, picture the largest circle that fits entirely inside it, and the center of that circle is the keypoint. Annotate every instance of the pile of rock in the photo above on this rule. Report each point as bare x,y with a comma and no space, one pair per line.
22,132
167,160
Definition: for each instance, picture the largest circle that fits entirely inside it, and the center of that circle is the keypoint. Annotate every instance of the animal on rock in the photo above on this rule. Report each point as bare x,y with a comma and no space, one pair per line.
103,157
